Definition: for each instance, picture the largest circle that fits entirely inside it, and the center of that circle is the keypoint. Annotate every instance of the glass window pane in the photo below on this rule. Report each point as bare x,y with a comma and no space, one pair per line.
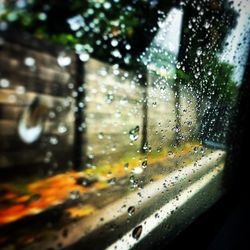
114,117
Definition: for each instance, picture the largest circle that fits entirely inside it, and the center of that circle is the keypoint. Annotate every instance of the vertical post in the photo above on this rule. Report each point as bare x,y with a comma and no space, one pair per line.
144,84
80,127
177,112
176,86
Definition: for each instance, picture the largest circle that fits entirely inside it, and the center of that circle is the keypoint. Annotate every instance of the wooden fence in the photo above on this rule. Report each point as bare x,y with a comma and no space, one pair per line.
29,68
111,109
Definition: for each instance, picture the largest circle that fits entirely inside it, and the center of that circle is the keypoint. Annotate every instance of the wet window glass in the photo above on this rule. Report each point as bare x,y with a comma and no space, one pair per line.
114,117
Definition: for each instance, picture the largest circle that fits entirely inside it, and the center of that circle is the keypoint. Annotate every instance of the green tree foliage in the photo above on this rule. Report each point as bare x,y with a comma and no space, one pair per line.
220,76
215,83
116,31
204,31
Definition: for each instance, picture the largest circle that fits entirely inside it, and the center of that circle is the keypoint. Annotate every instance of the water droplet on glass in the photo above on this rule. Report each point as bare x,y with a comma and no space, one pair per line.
154,104
113,148
134,181
91,156
62,129
103,72
206,25
126,165
127,47
123,100
84,56
20,90
107,5
177,129
131,210
3,26
4,83
42,16
202,150
198,52
75,194
86,182
116,53
114,42
48,156
147,147
144,164
110,98
137,232
171,154
127,59
118,113
134,134
112,181
100,136
76,22
137,170
109,174
63,60
52,115
29,61
21,4
53,140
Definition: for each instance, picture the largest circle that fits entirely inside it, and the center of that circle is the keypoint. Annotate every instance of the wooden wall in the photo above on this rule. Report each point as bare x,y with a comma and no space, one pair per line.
114,102
113,106
162,112
51,82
